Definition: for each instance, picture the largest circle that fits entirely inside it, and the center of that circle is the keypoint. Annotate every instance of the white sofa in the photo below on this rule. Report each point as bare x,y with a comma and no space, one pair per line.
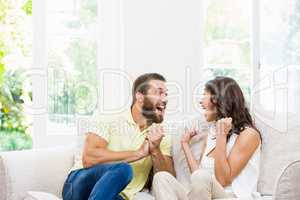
46,169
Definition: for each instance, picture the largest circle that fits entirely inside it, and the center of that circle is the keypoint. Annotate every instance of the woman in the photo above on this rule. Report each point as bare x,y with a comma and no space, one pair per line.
229,164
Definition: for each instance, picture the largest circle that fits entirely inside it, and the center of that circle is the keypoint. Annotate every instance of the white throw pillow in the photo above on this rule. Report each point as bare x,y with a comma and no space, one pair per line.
143,196
32,195
180,163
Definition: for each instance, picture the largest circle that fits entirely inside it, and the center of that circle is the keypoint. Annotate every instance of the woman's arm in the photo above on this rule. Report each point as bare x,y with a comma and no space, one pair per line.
193,163
226,169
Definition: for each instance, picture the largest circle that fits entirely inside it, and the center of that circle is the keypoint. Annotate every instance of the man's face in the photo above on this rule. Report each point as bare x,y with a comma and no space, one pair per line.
155,101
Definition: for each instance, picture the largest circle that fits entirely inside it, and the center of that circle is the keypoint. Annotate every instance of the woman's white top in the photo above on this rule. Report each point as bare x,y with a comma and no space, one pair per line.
245,184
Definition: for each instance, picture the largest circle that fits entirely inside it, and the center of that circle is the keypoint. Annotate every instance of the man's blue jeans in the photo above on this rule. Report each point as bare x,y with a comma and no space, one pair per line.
100,182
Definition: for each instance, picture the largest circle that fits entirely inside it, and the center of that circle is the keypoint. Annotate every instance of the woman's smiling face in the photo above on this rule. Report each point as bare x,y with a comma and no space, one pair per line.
209,108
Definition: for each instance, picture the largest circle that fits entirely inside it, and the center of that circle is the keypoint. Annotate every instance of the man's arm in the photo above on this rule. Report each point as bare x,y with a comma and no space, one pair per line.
160,162
95,152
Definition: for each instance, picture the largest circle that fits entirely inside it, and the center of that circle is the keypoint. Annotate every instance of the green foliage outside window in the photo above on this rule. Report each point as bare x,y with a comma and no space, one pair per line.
14,49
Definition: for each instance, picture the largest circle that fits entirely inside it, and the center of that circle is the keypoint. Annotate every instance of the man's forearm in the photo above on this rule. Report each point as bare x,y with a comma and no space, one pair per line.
98,156
160,163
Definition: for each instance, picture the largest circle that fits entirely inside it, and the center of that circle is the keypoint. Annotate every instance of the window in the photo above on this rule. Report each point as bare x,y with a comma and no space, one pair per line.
280,46
71,62
227,41
277,92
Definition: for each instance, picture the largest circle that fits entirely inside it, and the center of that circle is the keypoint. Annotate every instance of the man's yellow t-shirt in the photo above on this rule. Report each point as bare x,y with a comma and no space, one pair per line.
123,134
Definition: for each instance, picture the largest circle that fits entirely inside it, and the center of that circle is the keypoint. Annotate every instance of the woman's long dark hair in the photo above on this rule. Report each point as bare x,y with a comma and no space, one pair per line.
229,100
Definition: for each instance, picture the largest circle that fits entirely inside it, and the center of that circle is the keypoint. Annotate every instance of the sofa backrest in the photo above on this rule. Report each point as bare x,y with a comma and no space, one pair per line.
278,150
276,109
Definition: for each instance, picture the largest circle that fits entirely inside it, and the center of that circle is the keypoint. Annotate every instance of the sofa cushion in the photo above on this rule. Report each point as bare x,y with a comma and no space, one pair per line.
3,188
34,195
180,163
41,170
143,196
288,183
31,195
278,150
277,113
261,198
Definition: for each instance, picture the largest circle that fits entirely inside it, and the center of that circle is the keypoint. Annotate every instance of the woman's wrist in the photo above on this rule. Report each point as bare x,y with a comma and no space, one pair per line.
221,142
221,137
185,145
192,163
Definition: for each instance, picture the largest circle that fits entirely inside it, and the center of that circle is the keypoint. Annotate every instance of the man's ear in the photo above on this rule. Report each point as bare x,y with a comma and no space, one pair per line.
139,97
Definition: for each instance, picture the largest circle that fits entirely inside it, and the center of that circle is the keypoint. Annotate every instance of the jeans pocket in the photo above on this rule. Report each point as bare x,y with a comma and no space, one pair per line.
67,191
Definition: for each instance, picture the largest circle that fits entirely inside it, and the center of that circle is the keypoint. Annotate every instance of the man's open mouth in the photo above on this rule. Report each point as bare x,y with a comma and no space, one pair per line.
160,108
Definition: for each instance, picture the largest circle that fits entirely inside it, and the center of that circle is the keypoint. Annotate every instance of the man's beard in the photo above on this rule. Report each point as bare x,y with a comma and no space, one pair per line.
149,112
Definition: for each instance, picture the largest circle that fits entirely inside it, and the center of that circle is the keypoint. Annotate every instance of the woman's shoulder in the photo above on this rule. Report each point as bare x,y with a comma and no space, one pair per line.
249,136
251,133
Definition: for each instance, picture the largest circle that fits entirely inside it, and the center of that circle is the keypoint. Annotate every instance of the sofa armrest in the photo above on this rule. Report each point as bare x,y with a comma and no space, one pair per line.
287,186
36,170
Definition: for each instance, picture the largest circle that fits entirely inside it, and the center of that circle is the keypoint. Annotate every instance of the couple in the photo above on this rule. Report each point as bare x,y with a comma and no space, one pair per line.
116,160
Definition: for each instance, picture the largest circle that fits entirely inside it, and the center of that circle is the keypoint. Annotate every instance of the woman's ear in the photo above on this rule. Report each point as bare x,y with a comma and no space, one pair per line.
214,99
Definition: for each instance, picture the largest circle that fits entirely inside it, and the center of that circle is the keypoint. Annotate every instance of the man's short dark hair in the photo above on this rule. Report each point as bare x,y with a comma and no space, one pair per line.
141,84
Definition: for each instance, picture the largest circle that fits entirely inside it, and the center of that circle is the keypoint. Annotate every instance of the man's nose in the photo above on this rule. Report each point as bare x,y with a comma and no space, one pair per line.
164,97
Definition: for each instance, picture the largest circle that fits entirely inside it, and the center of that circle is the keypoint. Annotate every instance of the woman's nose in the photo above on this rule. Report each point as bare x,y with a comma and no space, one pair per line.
200,102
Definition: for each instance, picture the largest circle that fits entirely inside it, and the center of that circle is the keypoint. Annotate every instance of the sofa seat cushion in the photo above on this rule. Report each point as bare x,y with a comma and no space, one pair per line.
143,196
261,198
36,195
32,195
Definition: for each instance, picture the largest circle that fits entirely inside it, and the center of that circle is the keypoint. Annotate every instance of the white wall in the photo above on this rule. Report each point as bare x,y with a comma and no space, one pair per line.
139,36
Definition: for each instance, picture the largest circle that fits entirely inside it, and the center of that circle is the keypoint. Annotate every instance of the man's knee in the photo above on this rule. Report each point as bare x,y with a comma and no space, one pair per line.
82,177
125,171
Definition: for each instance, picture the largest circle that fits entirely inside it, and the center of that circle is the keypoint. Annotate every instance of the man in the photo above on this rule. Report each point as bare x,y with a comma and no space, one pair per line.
117,159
